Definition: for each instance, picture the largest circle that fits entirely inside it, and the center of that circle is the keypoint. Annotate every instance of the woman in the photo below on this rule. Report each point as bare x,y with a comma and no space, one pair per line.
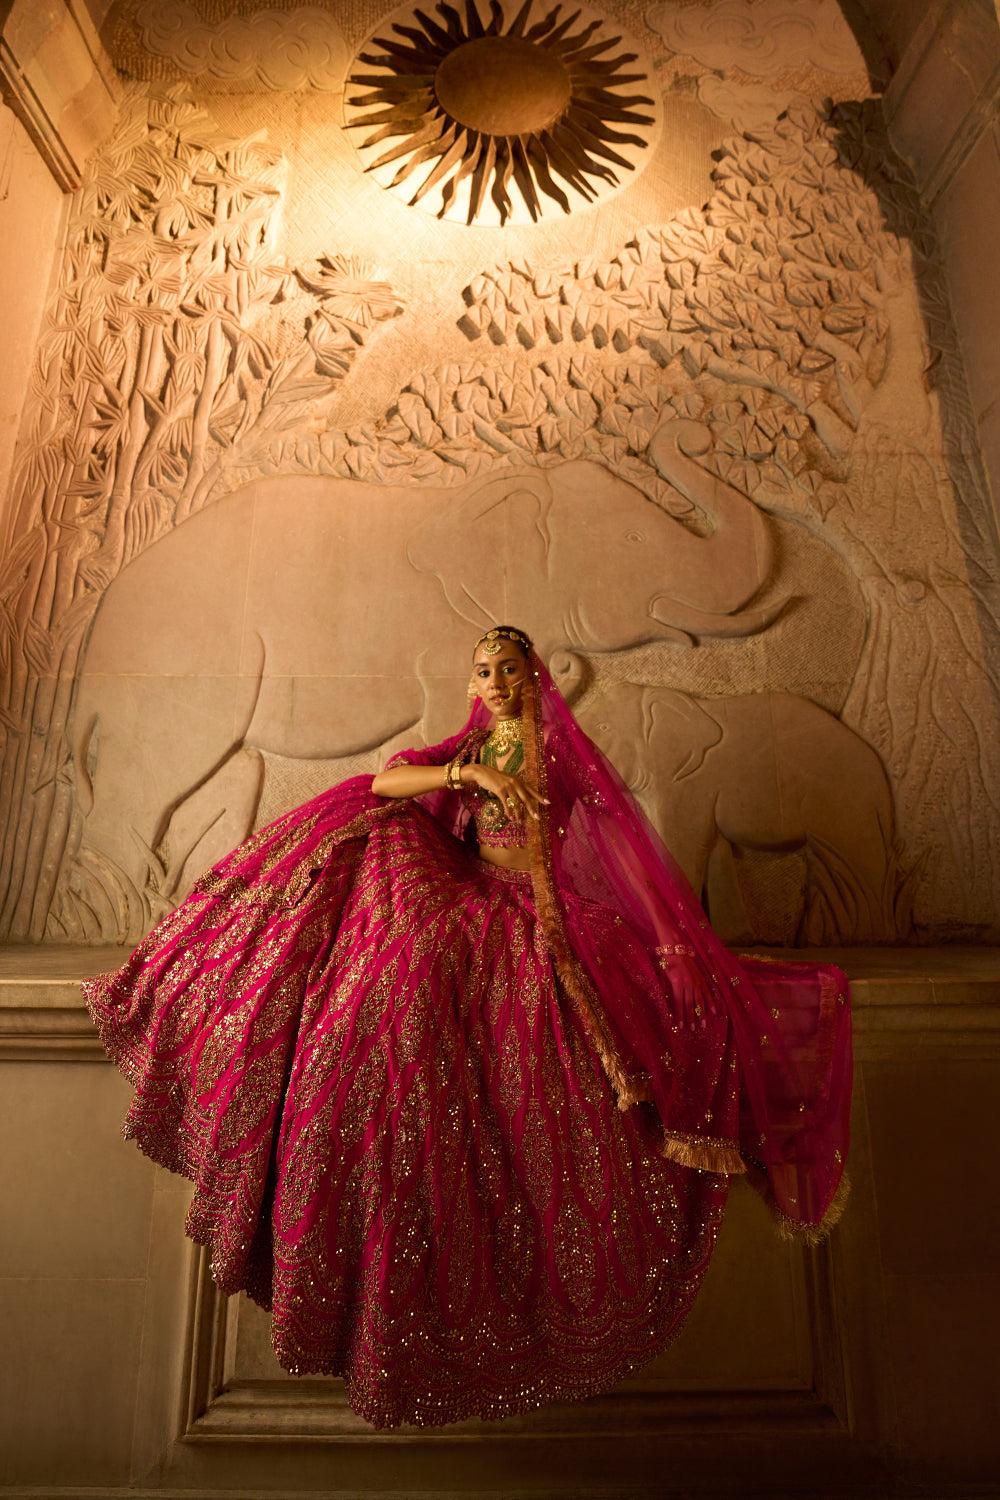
460,1071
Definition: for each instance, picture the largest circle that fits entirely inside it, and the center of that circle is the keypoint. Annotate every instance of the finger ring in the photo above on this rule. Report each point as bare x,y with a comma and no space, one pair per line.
697,1010
509,801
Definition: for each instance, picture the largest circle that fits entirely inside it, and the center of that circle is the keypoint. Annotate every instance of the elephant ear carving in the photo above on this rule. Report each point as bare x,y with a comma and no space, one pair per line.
487,533
682,723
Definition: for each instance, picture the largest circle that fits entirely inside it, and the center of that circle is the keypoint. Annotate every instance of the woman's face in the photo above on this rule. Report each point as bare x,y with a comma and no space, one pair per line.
499,679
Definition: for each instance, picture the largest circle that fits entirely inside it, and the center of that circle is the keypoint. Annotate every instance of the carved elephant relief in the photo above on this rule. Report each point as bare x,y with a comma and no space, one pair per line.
321,618
763,772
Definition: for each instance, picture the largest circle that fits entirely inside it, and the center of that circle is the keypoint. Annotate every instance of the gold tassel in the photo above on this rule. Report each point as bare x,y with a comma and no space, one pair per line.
702,1154
814,1234
794,1229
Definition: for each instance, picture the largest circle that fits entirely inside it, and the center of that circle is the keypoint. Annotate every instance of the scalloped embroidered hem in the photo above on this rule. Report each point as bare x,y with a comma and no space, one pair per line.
471,1404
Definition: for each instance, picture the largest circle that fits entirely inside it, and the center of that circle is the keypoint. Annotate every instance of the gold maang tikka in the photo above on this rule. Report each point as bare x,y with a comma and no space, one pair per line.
493,640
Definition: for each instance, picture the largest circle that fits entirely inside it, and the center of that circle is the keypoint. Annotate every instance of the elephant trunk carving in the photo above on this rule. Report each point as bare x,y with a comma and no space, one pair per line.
717,575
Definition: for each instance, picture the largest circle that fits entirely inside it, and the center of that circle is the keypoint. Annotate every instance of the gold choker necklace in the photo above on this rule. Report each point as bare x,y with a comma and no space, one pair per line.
506,733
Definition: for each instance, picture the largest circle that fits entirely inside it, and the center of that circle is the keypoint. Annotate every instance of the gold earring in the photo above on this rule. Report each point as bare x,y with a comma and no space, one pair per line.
473,691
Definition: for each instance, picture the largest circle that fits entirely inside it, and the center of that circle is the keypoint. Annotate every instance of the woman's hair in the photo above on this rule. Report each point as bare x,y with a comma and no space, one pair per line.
499,633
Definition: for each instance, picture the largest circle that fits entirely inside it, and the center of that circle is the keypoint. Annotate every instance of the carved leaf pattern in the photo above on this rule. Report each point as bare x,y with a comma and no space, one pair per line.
778,276
153,375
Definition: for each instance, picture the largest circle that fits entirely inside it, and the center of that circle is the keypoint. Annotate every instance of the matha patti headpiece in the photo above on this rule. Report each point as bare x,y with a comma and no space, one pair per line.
494,639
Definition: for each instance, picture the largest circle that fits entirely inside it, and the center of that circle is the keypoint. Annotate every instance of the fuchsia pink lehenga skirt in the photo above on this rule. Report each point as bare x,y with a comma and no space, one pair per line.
354,1043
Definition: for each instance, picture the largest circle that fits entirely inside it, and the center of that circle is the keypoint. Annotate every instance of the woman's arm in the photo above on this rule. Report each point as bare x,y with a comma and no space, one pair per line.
412,781
409,781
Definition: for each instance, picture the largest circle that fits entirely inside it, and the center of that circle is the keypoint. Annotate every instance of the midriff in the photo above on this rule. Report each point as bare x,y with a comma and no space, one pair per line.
507,858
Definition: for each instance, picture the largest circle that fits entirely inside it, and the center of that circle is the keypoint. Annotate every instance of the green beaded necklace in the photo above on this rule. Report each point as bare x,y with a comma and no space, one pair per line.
506,740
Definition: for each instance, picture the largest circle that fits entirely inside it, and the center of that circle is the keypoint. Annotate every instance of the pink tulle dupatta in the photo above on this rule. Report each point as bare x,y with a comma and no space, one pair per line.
765,1086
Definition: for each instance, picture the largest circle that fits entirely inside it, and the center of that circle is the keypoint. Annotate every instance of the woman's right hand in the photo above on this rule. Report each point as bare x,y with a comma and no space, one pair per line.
517,797
690,994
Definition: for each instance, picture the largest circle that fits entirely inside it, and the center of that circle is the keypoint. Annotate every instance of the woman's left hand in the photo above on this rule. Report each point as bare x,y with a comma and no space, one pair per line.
517,797
690,995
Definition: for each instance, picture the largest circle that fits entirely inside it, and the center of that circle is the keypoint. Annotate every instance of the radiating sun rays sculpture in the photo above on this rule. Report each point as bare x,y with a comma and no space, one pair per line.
484,121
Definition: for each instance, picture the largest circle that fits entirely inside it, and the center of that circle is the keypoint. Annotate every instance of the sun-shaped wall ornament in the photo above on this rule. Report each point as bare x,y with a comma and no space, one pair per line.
484,122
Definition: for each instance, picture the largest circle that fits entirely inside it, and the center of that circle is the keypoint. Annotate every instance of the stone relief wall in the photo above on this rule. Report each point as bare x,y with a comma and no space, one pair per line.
282,49
724,471
750,59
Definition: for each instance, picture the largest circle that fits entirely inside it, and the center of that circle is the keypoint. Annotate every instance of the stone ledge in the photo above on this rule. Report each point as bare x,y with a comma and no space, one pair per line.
916,1002
42,1014
317,1409
907,1001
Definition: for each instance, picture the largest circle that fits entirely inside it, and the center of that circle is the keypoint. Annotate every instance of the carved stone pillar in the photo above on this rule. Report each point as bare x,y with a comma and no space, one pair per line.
60,90
58,80
942,107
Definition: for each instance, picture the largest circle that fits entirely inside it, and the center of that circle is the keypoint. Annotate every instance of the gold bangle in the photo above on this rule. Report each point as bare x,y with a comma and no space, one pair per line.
452,775
670,950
